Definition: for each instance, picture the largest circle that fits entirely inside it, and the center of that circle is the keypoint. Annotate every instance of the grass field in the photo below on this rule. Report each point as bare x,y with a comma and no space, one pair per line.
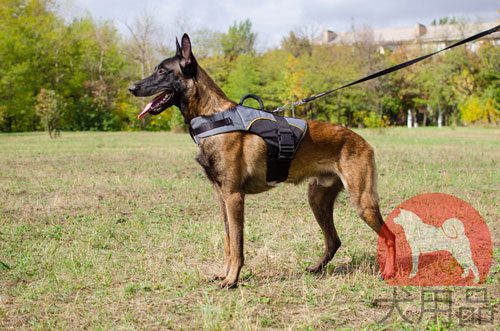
121,231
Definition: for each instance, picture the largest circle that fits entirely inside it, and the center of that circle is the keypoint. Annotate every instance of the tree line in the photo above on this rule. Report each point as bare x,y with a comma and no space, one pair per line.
73,75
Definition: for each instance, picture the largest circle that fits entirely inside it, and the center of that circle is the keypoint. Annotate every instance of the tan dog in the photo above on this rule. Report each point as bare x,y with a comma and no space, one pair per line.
330,156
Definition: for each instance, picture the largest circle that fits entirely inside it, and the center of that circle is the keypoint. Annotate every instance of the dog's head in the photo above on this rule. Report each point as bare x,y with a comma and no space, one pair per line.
171,80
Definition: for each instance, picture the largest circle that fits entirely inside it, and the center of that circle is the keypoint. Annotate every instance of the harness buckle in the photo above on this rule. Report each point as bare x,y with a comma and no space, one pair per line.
286,146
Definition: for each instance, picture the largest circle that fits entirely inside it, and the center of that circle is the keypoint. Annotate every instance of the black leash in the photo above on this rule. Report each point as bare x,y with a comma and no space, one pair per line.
389,70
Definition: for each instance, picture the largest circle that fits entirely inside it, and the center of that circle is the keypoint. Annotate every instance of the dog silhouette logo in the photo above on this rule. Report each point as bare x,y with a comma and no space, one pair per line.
440,240
424,238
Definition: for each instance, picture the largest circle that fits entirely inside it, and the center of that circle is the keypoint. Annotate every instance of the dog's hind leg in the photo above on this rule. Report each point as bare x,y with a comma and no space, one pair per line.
359,178
322,193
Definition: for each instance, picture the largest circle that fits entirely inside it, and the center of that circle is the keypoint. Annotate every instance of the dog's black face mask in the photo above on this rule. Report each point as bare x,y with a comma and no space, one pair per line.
169,80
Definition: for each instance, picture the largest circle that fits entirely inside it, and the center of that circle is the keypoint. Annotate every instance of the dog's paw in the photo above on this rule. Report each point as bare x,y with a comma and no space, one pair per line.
217,278
314,270
317,268
226,284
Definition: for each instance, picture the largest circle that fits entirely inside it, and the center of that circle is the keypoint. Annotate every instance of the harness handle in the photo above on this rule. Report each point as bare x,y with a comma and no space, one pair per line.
253,96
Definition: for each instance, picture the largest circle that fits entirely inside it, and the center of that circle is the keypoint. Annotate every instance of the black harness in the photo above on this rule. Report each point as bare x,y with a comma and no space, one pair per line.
281,134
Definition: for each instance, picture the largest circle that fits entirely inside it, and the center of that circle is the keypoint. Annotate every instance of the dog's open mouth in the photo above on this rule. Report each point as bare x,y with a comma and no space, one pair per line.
159,104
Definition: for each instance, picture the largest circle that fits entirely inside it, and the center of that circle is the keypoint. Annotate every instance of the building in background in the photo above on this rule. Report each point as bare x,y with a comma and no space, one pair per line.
431,38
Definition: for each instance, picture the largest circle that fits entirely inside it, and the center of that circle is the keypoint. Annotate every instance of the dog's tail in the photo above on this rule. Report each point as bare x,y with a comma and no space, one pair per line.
453,228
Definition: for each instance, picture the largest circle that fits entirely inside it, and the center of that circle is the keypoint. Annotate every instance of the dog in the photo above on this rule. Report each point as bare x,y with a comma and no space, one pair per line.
424,238
331,156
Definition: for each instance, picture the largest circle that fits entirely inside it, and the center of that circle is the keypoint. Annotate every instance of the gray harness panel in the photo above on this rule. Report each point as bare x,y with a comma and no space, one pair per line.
242,119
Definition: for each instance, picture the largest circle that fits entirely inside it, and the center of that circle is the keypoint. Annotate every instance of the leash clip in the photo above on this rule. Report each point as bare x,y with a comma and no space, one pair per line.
282,108
293,105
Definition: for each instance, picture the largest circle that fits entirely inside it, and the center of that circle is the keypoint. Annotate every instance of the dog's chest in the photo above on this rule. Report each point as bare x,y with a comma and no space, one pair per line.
227,166
207,160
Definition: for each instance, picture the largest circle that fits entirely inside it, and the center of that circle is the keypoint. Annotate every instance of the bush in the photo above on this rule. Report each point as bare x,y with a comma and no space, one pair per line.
373,120
476,110
50,106
176,122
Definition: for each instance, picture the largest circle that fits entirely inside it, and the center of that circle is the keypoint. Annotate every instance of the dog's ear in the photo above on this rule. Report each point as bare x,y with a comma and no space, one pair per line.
178,47
188,62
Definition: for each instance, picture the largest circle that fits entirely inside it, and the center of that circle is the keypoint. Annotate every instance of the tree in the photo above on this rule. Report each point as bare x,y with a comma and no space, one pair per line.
143,45
50,106
95,85
80,61
243,78
445,20
296,45
26,59
478,87
271,71
294,81
239,39
207,43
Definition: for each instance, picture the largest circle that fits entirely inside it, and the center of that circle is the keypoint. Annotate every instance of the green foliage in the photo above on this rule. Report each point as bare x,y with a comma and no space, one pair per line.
271,74
49,106
243,77
81,61
373,120
445,20
239,39
295,45
161,122
479,110
28,31
89,66
207,43
176,121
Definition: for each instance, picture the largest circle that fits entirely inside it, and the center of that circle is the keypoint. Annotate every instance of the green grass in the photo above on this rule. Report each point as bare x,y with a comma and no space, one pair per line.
121,231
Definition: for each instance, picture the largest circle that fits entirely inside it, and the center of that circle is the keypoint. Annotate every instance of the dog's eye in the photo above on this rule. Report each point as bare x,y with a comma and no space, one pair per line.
161,71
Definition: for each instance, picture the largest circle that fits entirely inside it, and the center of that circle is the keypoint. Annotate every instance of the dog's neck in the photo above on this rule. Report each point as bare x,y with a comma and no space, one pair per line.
205,98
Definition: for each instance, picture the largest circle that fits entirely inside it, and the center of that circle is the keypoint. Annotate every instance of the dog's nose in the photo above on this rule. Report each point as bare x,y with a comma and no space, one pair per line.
132,88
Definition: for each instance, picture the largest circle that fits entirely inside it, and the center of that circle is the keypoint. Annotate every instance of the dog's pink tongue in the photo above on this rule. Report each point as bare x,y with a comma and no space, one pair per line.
145,110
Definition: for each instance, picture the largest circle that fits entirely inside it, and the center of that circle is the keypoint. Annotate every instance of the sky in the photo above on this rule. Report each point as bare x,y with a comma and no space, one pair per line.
272,20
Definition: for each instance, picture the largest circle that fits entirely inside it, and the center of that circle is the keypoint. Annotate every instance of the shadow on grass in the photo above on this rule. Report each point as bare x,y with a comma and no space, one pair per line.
365,263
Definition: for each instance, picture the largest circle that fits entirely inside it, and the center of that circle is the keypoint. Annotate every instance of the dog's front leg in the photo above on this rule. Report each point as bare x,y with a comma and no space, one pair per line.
227,250
234,202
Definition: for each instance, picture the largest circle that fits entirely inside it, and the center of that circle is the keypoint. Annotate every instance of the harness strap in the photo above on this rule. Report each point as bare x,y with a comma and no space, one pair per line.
212,125
285,139
279,165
